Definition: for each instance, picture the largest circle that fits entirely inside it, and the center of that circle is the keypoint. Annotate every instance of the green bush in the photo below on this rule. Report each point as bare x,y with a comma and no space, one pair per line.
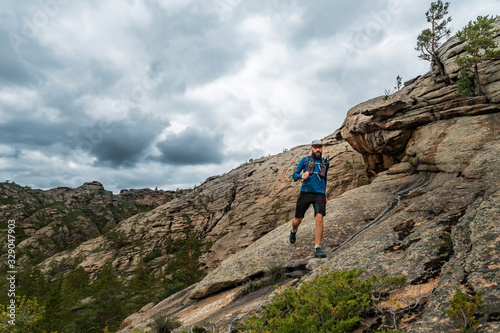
363,181
275,272
7,201
465,86
463,309
153,255
28,313
333,302
184,266
117,238
164,324
170,287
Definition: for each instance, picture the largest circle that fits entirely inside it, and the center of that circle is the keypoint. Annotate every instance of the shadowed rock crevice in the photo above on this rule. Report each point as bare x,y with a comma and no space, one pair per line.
231,197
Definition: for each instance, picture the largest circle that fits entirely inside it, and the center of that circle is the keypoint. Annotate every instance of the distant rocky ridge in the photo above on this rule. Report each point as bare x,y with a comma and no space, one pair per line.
147,197
51,221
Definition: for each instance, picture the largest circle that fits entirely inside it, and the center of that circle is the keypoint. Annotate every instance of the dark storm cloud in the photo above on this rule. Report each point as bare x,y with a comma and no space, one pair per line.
191,147
113,143
36,134
120,143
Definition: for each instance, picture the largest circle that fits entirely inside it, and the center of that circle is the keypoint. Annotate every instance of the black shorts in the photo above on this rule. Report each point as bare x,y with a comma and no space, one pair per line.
318,200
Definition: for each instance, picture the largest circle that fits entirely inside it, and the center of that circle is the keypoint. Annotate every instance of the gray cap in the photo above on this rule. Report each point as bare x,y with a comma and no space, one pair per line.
316,143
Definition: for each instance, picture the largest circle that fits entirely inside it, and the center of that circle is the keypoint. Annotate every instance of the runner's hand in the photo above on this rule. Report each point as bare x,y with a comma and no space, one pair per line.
305,175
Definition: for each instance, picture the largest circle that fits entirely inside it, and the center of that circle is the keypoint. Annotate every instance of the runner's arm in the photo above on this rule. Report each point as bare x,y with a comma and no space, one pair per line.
296,174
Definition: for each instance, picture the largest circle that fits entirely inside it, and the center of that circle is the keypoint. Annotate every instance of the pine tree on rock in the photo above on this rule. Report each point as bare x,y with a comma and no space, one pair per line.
480,45
429,39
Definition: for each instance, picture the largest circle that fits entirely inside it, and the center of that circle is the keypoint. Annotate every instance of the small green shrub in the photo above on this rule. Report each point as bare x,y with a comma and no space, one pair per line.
169,288
277,206
465,86
117,238
153,255
201,328
7,201
363,181
463,309
334,302
275,272
446,243
28,312
164,324
387,94
143,208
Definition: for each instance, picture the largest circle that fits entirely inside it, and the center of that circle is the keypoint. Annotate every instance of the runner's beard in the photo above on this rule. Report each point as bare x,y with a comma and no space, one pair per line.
317,154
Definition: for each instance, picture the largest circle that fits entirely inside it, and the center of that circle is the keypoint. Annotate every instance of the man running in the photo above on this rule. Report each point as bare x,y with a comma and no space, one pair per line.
312,192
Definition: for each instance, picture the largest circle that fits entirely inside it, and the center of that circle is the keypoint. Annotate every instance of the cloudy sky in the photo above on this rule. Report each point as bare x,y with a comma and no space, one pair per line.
165,93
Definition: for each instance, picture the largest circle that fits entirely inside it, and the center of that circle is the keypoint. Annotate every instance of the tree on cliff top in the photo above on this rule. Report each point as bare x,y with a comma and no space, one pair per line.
480,44
429,39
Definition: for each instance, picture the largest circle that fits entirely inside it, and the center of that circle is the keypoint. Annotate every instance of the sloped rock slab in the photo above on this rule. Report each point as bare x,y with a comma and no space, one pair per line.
346,215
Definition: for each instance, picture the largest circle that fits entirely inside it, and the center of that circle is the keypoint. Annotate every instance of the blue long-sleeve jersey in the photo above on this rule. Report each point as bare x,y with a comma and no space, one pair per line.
314,183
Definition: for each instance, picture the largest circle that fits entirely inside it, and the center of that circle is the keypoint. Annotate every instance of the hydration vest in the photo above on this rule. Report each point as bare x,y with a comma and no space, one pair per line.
323,166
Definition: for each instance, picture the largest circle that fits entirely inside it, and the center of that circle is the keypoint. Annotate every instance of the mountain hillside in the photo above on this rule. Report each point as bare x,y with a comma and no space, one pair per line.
57,219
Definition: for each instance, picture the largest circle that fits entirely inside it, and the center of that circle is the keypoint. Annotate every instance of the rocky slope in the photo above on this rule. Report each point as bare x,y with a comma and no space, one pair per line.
431,213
